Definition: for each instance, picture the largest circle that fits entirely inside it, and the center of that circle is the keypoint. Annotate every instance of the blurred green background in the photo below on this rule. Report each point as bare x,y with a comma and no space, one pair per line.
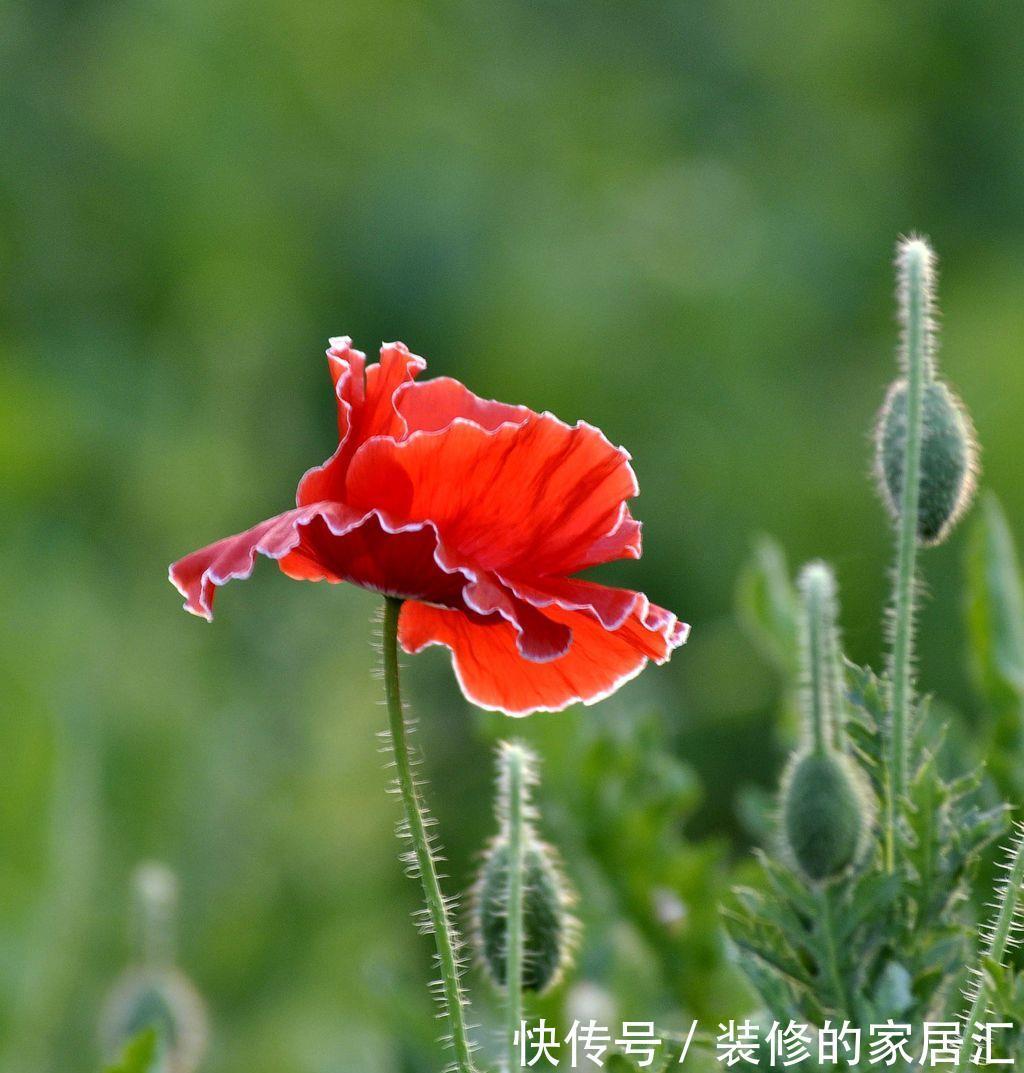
673,219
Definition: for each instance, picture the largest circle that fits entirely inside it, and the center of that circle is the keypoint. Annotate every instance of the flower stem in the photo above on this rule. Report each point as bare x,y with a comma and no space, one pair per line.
820,723
915,289
821,669
514,925
832,953
156,896
441,925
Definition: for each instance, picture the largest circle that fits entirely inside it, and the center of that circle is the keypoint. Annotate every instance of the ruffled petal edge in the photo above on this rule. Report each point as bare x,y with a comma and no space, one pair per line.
198,575
598,662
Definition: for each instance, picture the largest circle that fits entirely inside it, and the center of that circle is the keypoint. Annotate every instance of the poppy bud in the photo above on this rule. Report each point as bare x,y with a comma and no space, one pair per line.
154,994
825,814
949,458
548,925
547,931
161,999
825,809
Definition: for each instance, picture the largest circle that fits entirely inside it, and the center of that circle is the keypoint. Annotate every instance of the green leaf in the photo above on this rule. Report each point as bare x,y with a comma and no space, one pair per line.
873,897
138,1056
618,1063
995,609
868,717
767,603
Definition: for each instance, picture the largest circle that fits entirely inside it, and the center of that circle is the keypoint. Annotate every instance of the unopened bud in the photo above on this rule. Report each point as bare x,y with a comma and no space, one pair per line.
949,458
826,814
153,993
162,1000
548,925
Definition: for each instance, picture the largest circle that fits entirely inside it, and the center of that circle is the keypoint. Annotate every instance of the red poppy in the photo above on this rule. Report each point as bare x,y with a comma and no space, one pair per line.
476,513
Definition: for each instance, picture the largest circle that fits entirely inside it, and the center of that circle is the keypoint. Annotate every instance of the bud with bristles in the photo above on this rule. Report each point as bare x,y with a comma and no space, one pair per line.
944,449
164,1000
824,814
949,458
826,809
153,993
547,930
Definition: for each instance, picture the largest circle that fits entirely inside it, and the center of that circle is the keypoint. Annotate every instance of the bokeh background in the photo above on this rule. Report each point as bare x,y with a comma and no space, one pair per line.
673,219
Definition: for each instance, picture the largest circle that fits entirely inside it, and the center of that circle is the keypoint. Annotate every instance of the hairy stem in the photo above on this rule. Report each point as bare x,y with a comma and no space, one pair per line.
836,688
437,908
820,658
915,269
514,925
832,952
820,721
156,894
1000,937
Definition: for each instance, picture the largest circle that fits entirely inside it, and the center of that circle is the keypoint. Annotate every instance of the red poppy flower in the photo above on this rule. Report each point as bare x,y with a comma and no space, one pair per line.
476,513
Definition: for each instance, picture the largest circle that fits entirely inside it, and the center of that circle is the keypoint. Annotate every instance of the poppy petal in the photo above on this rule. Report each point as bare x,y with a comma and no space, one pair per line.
624,541
432,405
366,407
397,367
539,638
367,551
198,575
324,542
331,542
493,674
526,500
609,605
347,367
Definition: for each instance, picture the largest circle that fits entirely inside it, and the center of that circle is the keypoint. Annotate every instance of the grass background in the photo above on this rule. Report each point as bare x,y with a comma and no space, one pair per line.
674,220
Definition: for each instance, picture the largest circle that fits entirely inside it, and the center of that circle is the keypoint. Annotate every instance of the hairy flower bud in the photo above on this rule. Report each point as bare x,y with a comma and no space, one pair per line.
164,1000
548,925
825,814
154,993
521,880
949,458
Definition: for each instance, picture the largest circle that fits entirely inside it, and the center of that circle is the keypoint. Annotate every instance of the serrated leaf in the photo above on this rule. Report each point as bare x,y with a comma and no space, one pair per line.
766,942
867,720
873,895
867,691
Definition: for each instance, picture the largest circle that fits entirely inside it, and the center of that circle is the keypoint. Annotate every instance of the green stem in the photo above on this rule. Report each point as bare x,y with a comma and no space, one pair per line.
998,945
832,953
817,590
820,733
914,263
836,689
156,907
514,924
437,908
